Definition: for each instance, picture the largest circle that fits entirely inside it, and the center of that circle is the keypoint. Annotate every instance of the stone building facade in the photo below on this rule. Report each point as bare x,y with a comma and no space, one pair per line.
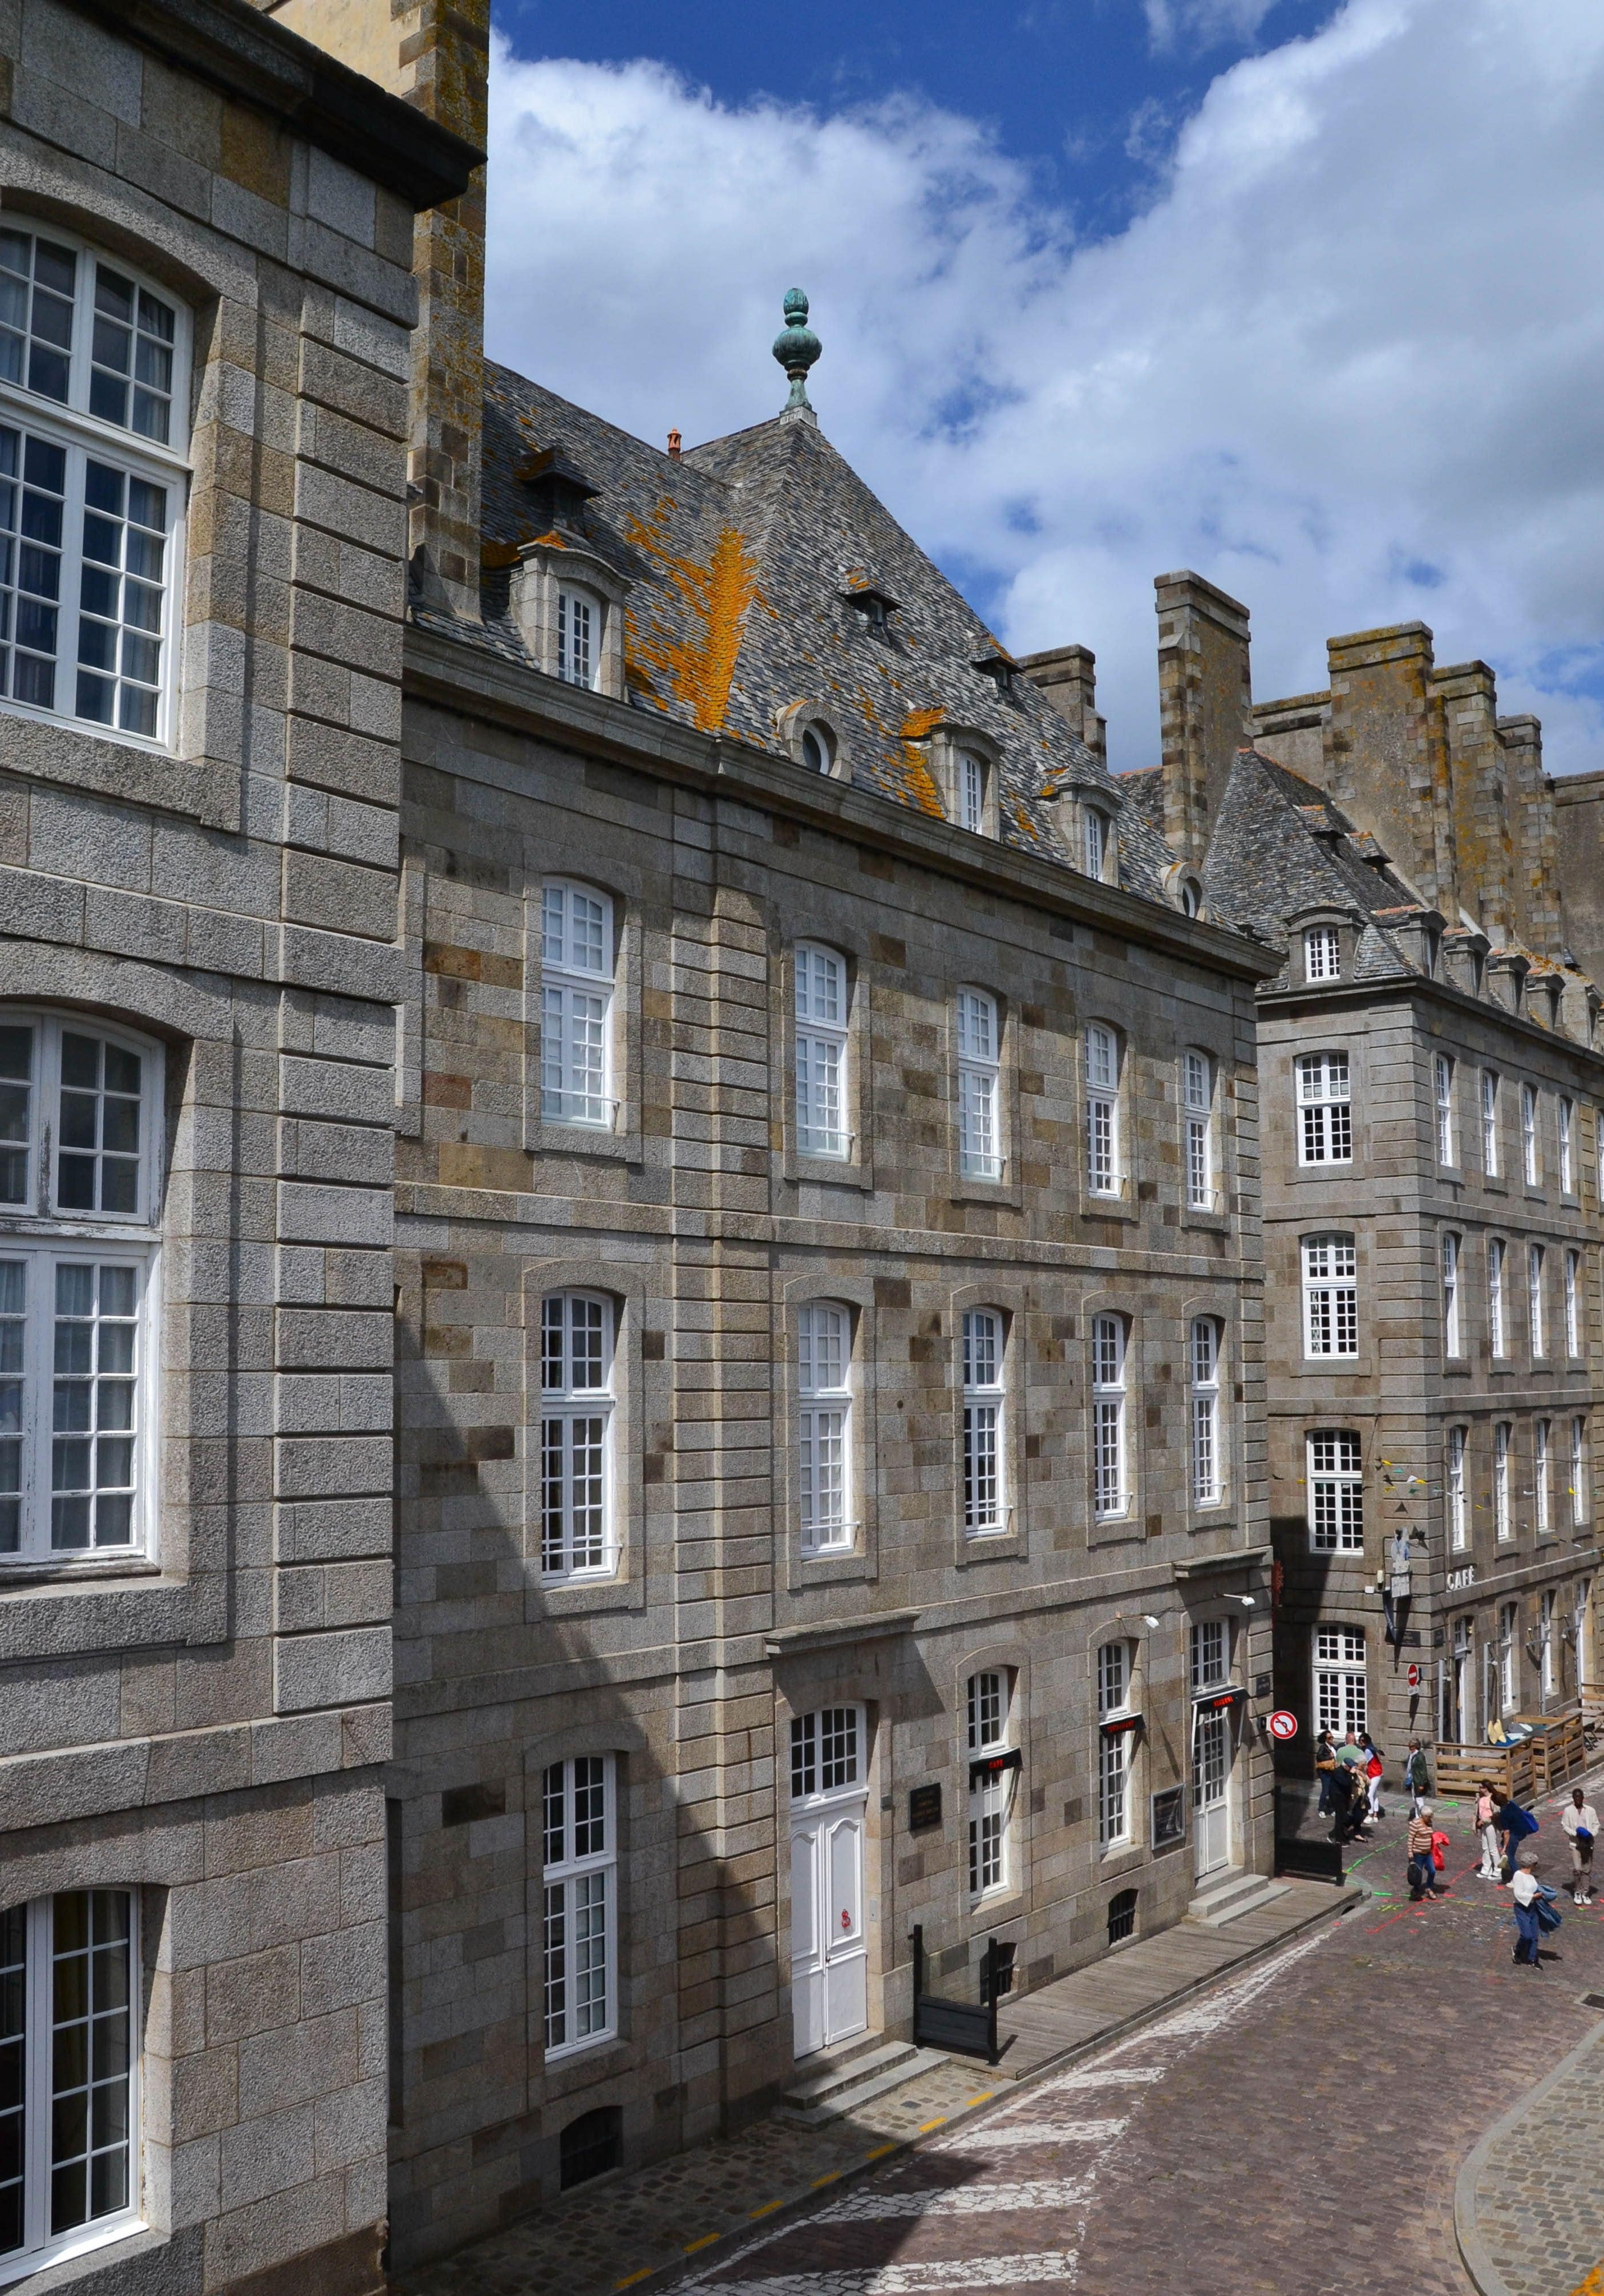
1431,1078
206,304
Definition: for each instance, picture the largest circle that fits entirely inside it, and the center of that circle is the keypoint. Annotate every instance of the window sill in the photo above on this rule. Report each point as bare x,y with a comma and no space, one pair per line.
1120,1858
826,1171
96,2252
564,1598
989,1546
1335,1169
591,1143
1009,1194
1214,1223
93,1570
1109,1207
52,749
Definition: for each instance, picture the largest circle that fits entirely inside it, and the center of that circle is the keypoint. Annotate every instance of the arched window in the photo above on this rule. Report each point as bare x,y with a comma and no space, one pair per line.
1111,1486
1447,1152
79,1140
824,1425
818,746
1207,1479
578,1510
1104,1175
578,636
1542,1496
1531,1158
1535,1300
1498,1343
1459,1513
985,1458
93,391
575,1004
1453,1344
823,1007
979,1096
1197,1098
580,1908
1115,1735
1502,1523
992,1780
69,2033
1331,1296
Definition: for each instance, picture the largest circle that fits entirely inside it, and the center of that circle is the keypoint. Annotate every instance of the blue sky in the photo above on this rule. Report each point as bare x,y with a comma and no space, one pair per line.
1301,293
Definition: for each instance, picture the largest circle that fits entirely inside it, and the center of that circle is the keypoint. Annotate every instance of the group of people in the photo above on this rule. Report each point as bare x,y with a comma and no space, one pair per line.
1350,1793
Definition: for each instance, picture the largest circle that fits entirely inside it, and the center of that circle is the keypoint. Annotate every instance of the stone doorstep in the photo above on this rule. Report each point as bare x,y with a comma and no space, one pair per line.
1226,1896
651,2280
855,2076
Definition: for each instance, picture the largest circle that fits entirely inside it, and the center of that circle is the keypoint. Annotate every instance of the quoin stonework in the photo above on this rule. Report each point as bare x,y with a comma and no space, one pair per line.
676,1293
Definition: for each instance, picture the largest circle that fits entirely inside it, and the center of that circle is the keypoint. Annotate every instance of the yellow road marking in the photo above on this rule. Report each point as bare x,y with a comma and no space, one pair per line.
879,2151
985,2097
825,2180
644,2274
1593,2285
925,2127
705,2241
768,2208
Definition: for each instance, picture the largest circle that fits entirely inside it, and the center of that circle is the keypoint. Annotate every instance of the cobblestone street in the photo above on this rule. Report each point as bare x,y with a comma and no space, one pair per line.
1297,2133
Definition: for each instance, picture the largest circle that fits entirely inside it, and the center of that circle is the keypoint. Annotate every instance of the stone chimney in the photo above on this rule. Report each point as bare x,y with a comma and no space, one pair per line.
1068,676
1205,704
1579,809
1386,763
437,56
1483,825
1534,835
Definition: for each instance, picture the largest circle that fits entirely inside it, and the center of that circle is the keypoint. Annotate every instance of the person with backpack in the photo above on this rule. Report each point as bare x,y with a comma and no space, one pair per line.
1416,1777
1581,1823
1489,1868
1422,1856
1512,1824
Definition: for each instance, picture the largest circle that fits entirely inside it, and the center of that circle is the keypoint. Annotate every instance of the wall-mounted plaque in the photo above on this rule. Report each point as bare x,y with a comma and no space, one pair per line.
1169,1818
924,1808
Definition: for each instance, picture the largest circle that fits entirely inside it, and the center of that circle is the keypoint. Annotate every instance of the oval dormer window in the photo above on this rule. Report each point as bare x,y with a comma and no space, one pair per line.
578,636
818,746
1191,898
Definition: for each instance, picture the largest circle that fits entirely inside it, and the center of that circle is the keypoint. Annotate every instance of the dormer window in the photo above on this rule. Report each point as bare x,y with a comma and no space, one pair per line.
1000,670
818,746
1191,898
876,606
1094,842
1323,953
971,791
569,605
579,618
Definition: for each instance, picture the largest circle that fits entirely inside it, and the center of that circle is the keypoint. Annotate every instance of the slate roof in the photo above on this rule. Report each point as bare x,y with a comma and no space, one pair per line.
738,553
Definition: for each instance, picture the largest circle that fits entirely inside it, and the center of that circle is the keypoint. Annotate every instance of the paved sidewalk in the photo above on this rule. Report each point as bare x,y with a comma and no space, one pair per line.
623,2229
1529,2205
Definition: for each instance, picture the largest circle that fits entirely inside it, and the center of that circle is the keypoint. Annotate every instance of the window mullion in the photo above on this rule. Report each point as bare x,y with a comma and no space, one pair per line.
72,583
37,2060
39,1400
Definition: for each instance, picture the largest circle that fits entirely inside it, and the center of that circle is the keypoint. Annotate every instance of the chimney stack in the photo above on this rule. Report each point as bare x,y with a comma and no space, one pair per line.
1068,676
1205,704
1534,834
437,57
1386,759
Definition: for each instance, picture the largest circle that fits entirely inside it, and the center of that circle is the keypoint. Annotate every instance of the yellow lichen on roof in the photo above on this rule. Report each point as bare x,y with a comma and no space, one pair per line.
701,665
912,763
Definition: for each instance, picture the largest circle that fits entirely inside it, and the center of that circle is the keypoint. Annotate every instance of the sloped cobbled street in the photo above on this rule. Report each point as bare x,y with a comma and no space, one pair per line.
1298,2133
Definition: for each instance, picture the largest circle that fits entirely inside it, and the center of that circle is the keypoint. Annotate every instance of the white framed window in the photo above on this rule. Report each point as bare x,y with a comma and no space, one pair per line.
69,2036
576,963
1340,1703
577,1507
1110,1487
1498,1333
1503,1524
1547,1670
1210,1654
1573,1303
818,746
1323,953
1581,1505
1207,1480
991,1791
985,1509
1336,1479
1451,1298
578,636
1094,840
79,1160
979,1087
1331,1287
1103,1174
1508,1618
971,791
580,1884
1114,1745
1542,1502
1446,1146
824,1426
1325,1105
1568,1147
1535,1300
1489,1122
1197,1100
1531,1164
93,397
828,1750
1459,1516
823,1012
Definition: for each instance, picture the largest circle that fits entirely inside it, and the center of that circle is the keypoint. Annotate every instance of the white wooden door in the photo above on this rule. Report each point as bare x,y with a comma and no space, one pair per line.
1211,1791
829,1946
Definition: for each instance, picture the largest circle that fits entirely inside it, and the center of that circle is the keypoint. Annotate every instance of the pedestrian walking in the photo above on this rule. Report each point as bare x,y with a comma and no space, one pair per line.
1423,1860
1349,1798
1581,1823
1416,1777
1488,1870
1325,1768
1513,1824
1370,1763
1534,1911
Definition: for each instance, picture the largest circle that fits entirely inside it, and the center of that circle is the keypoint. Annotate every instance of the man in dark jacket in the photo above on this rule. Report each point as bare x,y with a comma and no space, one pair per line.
1416,1777
1513,1825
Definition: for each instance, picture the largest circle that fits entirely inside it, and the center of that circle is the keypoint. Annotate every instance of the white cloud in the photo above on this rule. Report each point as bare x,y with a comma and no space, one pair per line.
1203,23
1348,363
